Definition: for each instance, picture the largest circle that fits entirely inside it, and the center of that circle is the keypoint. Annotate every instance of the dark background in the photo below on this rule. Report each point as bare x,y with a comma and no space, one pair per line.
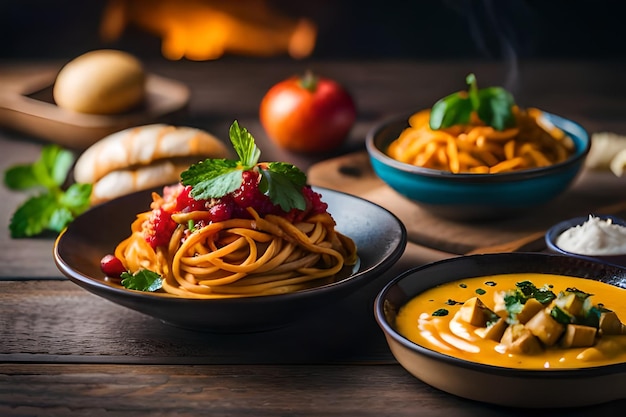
425,30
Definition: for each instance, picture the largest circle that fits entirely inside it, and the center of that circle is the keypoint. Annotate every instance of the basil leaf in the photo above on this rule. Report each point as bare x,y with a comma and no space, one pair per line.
496,108
452,110
493,105
142,280
472,91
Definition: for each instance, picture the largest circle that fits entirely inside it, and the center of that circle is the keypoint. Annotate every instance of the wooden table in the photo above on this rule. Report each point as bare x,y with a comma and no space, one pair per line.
65,352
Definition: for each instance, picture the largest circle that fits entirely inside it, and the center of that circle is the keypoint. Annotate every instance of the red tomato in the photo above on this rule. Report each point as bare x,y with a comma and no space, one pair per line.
112,266
307,114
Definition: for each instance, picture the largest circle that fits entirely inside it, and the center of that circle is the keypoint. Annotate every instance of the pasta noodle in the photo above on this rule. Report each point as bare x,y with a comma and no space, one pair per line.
481,149
239,256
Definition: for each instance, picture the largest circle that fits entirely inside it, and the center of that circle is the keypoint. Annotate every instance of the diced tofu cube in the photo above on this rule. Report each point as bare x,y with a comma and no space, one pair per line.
531,308
544,327
474,312
578,336
494,331
571,303
611,324
518,339
499,305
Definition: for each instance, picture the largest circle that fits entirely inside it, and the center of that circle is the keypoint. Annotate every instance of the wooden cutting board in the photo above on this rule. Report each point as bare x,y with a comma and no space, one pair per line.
593,192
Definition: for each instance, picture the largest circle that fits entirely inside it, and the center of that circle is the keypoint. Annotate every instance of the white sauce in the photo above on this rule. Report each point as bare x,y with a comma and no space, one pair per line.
594,237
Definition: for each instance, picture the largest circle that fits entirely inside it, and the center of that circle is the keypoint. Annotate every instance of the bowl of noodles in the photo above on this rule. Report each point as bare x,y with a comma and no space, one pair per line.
234,246
379,236
471,170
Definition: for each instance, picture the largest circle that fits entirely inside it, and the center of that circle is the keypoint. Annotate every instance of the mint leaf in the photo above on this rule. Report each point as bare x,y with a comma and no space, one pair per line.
59,165
59,218
76,197
53,209
142,280
292,173
212,178
33,216
244,145
20,177
283,183
53,165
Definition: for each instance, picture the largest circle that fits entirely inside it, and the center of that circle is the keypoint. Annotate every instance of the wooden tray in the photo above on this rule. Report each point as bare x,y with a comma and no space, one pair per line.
594,192
27,106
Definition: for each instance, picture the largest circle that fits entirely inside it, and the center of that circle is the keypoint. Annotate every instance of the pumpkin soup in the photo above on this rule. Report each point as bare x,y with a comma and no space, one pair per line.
527,321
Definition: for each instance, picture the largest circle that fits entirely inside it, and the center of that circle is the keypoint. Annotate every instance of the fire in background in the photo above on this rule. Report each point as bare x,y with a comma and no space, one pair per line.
201,30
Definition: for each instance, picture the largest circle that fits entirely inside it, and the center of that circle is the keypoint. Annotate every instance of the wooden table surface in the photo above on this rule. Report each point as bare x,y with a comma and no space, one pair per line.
66,352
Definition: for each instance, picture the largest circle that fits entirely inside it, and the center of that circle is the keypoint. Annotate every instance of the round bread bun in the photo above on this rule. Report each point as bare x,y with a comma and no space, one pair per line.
103,81
143,157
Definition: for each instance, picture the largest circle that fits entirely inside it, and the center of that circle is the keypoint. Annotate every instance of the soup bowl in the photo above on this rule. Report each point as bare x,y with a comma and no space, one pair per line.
501,385
469,196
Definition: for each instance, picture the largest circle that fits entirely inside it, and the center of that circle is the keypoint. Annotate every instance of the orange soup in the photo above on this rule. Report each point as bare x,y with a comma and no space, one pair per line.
441,319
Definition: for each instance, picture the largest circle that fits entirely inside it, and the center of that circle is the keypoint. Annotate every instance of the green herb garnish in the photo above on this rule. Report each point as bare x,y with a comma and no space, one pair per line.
493,105
440,312
560,315
214,178
514,300
142,280
53,208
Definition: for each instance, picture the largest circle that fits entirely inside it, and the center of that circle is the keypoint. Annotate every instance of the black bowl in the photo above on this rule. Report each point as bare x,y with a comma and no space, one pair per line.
379,235
493,384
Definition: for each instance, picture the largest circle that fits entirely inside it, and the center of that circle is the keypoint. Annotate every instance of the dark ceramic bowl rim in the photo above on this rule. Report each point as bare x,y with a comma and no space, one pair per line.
492,369
374,150
555,231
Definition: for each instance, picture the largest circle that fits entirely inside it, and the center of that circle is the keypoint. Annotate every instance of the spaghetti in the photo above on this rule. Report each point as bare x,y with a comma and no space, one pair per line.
241,256
478,148
233,229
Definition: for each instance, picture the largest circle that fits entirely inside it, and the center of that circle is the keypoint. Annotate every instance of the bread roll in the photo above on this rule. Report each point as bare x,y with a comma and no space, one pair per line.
101,82
143,157
604,147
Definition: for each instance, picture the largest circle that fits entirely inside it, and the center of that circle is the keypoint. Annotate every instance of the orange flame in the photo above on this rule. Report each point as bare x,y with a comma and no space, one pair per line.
202,30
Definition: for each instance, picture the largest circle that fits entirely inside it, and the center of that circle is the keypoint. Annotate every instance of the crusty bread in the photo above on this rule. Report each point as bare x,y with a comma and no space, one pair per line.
608,150
143,157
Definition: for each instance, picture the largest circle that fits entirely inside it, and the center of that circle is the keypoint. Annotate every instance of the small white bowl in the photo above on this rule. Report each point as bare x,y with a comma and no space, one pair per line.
555,231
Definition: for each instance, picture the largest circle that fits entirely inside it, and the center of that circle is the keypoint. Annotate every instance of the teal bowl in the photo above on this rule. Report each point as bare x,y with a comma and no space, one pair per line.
475,196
